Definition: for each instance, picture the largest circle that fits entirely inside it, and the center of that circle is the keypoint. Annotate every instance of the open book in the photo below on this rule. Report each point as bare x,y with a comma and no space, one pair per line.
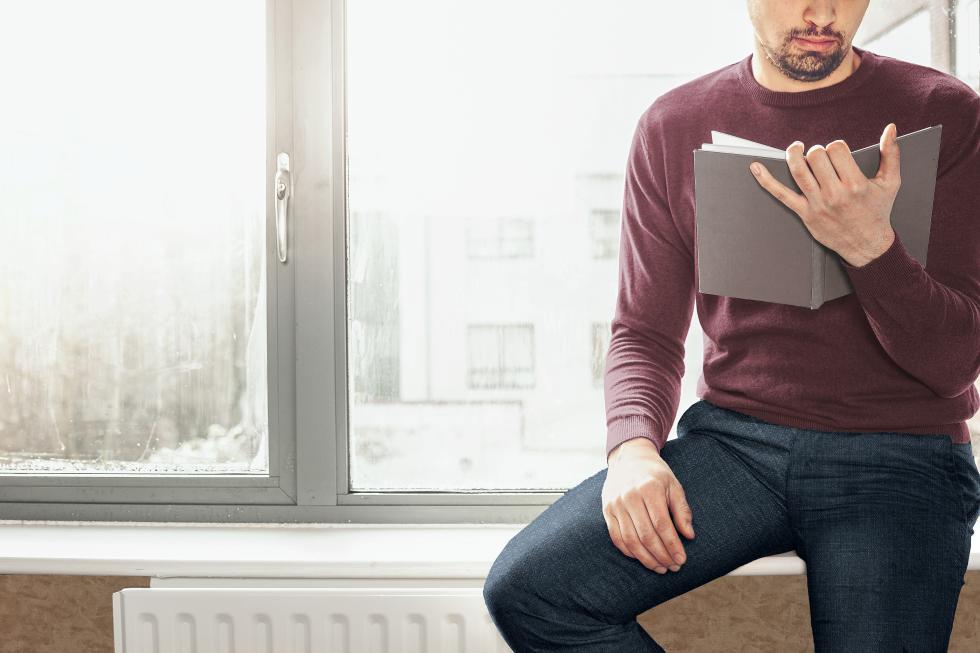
752,246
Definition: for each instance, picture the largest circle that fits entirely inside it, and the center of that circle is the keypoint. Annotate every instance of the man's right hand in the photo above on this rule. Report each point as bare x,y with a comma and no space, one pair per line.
639,494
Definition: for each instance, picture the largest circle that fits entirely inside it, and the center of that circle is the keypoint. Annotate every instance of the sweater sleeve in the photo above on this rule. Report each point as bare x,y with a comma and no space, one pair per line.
928,320
654,303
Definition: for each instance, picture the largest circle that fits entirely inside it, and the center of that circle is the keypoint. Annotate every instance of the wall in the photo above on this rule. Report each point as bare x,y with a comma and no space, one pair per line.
758,614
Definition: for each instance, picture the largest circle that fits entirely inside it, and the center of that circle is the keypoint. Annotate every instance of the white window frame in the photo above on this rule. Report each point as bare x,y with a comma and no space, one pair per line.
308,479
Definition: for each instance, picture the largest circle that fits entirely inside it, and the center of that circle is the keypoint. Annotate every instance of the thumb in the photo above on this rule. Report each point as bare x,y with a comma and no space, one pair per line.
889,166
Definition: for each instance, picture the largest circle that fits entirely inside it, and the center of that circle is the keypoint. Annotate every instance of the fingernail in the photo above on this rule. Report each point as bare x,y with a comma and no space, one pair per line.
675,568
661,570
755,168
679,559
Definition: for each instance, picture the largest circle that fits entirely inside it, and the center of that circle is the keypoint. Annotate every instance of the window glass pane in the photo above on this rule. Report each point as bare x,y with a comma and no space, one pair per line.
132,285
487,144
478,340
968,42
909,40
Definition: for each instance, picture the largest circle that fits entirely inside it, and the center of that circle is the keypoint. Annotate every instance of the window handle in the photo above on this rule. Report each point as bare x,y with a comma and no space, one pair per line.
283,190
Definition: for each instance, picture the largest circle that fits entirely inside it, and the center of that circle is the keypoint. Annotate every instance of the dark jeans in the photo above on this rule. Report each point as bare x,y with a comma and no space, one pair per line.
882,520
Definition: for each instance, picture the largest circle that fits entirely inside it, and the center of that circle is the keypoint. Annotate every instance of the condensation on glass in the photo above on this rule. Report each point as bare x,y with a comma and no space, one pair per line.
132,281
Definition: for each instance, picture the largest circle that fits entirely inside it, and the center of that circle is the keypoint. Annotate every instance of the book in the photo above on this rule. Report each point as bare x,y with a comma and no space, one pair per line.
749,245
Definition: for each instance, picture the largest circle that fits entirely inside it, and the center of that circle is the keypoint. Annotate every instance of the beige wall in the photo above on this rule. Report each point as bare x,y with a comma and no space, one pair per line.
59,614
761,614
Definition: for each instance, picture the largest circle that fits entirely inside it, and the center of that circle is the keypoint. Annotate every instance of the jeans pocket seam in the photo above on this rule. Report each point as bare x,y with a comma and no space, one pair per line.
954,487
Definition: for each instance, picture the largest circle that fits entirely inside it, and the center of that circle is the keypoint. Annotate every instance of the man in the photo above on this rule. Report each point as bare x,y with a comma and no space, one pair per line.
838,433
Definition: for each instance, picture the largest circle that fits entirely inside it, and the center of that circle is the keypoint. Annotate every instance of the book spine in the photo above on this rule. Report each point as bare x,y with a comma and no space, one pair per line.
818,264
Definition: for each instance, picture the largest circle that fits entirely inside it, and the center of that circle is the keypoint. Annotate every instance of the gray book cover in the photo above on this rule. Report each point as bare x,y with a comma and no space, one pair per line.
749,245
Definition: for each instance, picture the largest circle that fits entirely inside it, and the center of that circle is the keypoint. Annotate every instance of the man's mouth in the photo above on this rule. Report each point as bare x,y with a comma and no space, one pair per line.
817,44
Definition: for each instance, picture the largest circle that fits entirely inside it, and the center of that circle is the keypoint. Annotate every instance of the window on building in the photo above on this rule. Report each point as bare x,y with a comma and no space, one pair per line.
605,233
500,238
500,356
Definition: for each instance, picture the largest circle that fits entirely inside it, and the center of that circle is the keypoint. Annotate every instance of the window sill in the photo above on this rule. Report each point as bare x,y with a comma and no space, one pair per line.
444,551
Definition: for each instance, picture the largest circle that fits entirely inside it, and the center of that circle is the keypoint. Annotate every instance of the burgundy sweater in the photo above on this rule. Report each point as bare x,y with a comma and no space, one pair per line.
901,353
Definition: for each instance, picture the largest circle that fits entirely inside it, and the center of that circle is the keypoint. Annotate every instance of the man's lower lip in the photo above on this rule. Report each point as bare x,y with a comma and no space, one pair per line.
816,45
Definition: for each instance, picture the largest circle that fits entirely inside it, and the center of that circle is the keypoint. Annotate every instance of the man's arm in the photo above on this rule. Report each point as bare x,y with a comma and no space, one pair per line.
929,322
654,304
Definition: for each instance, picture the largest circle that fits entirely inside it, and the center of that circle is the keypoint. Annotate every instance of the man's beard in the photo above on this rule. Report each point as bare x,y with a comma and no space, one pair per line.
806,66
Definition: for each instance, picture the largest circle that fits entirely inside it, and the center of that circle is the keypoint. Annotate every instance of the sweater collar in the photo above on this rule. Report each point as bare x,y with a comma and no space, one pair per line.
763,95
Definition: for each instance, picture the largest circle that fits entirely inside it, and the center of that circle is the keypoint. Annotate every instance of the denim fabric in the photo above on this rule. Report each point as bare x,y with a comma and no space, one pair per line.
882,520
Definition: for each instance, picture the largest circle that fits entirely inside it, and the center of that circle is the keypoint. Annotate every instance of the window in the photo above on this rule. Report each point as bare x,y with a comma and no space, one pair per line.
400,336
501,356
500,238
605,233
929,34
140,304
373,329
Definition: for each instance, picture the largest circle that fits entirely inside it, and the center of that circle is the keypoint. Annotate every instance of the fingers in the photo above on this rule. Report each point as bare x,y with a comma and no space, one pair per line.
623,534
640,526
818,165
616,534
845,165
645,539
793,200
677,502
657,508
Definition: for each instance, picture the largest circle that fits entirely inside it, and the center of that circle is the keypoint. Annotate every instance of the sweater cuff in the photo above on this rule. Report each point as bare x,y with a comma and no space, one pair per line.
628,427
894,268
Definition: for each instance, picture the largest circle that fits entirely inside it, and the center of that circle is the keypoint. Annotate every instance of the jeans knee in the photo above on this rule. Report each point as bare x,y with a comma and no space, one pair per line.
507,589
498,596
497,589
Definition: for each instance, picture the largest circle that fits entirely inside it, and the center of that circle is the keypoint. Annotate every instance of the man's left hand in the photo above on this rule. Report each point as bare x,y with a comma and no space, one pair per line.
840,207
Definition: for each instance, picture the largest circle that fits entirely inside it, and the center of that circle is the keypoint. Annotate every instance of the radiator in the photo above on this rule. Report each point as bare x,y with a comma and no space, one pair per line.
303,620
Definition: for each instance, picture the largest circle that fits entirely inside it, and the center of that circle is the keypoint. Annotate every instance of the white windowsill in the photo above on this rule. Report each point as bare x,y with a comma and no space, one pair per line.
446,551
